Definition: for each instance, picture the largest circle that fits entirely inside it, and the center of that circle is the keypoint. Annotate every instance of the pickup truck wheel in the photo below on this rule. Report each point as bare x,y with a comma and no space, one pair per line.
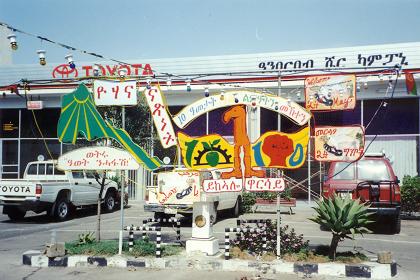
396,227
237,209
109,203
62,209
16,214
213,218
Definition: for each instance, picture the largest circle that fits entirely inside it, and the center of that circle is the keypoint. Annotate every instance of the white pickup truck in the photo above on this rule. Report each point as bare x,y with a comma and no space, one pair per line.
45,188
174,192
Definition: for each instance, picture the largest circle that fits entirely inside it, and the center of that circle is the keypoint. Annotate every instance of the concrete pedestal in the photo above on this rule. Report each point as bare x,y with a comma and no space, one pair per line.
209,246
202,229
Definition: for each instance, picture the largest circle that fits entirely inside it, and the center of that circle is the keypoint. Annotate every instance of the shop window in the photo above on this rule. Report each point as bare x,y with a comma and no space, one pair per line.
10,152
400,116
47,120
288,126
338,118
195,128
9,121
216,124
268,120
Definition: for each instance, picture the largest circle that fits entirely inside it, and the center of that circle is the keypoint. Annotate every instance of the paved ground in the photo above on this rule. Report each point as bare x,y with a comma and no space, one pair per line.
35,230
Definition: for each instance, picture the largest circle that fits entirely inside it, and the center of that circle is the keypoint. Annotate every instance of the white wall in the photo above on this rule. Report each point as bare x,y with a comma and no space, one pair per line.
402,152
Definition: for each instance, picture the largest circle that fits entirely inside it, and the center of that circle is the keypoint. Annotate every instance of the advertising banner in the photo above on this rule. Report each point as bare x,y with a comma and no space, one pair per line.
222,185
182,187
97,158
335,92
339,143
282,106
251,184
272,149
114,93
161,118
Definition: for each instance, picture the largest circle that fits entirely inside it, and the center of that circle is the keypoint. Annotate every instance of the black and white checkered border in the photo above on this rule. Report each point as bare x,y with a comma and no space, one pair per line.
369,270
365,270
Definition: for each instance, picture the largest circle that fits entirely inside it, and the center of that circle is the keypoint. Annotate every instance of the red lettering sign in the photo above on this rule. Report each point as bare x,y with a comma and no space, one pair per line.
64,71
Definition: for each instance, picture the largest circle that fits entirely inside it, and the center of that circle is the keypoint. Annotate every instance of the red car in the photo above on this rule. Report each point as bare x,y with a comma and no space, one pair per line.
372,180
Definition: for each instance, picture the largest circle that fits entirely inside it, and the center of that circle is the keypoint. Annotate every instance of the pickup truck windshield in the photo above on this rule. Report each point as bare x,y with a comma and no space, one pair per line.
372,170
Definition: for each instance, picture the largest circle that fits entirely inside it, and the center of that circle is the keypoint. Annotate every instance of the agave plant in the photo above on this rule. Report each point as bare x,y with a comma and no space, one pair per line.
86,238
344,217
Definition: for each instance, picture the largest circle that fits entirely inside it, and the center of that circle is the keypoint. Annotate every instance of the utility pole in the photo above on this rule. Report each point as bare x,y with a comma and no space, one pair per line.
122,195
278,251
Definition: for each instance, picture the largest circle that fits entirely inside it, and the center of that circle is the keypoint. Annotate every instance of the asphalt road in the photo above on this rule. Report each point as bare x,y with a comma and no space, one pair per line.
35,230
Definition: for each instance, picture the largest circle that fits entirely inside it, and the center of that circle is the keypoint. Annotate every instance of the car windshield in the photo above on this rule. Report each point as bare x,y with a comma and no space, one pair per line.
374,170
344,171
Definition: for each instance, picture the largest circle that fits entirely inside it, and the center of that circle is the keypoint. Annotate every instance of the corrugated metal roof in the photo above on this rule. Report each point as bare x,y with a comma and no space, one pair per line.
355,57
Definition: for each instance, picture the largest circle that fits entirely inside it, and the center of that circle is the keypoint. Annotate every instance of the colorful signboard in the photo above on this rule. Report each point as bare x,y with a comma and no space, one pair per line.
97,158
274,103
272,149
339,143
114,93
80,118
334,92
281,150
250,184
265,184
182,187
160,115
222,185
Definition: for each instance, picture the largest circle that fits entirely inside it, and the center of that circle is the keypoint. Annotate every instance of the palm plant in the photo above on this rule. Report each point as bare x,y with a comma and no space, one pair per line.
344,217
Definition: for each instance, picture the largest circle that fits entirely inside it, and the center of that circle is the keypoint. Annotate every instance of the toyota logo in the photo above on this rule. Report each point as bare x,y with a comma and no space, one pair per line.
64,71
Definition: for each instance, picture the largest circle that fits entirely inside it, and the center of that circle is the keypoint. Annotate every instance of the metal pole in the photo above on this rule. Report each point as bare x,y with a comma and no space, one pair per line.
320,179
120,241
278,249
309,165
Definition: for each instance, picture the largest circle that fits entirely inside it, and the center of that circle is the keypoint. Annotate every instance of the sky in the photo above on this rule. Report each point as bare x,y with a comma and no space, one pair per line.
129,29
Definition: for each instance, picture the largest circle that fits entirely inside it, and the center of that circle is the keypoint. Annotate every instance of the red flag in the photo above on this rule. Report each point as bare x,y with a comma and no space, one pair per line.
410,83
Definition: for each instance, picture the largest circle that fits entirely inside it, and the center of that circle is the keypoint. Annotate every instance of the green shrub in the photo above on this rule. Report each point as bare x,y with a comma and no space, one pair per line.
248,200
286,194
290,242
410,194
86,238
141,248
103,248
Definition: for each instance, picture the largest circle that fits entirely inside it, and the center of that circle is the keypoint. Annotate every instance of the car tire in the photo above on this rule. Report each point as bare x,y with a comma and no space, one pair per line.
237,209
16,214
213,218
62,209
109,202
396,228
